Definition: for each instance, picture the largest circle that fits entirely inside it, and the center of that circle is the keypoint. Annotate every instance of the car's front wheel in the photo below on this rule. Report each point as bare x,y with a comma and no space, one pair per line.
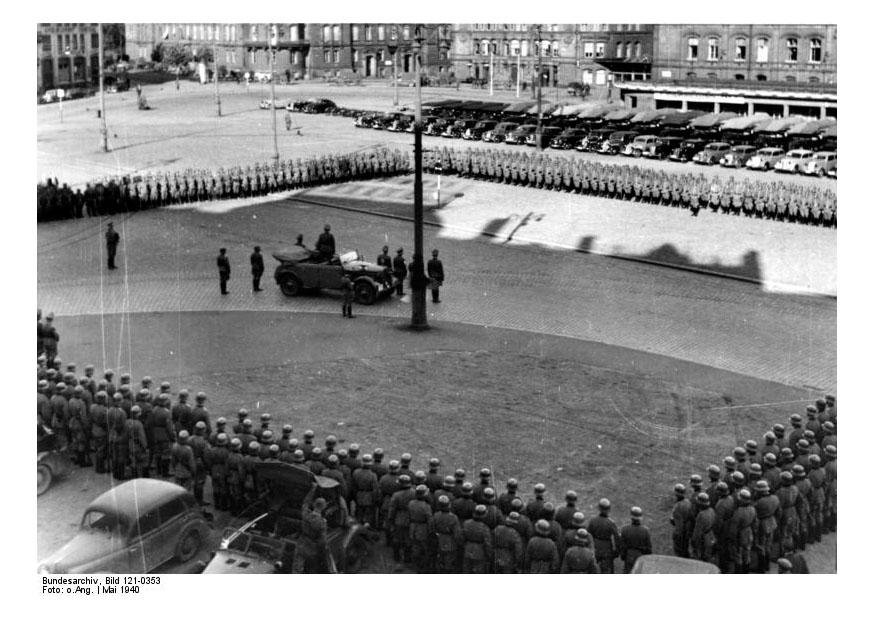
188,546
290,285
365,294
43,478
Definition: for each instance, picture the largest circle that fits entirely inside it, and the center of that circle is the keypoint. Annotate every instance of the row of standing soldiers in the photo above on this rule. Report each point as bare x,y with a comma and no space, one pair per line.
775,200
768,502
123,194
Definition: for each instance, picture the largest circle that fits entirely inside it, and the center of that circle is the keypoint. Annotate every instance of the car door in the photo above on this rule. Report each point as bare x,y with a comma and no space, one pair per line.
144,545
325,275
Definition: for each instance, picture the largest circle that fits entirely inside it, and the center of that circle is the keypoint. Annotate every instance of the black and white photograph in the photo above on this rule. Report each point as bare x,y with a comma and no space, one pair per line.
436,298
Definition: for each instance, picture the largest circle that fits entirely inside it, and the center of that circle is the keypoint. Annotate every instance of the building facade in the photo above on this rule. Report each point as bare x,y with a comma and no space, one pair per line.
67,54
593,54
775,68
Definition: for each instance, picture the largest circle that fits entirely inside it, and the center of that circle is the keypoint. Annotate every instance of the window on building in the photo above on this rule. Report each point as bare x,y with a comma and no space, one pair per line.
336,34
369,33
740,48
637,49
337,56
506,48
210,31
253,33
762,50
326,56
693,48
252,58
739,76
355,56
628,48
792,50
355,32
405,32
514,47
326,34
815,51
600,77
381,32
524,47
60,44
587,76
618,52
600,50
494,47
555,48
476,47
791,78
814,79
484,47
46,43
393,32
713,48
95,41
66,41
588,49
761,77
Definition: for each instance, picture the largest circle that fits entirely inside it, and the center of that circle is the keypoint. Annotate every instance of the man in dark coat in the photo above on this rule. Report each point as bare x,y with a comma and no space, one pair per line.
224,270
325,244
112,239
257,262
399,268
435,269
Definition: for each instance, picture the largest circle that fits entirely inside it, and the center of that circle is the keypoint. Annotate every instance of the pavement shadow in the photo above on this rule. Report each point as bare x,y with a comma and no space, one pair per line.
749,268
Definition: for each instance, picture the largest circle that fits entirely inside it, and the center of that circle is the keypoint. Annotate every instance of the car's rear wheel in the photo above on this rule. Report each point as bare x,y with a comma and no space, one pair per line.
290,286
188,546
43,478
365,294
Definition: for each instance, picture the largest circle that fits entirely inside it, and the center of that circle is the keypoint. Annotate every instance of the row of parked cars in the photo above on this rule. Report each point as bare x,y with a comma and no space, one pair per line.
792,145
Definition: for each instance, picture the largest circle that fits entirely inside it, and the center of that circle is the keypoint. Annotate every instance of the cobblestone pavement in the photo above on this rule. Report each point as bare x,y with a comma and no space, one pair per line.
167,263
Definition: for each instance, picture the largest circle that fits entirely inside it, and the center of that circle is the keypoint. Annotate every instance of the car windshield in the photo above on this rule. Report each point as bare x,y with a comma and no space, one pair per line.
352,255
99,521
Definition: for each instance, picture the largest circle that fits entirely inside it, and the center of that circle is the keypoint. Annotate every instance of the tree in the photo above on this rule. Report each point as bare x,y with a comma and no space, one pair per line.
204,55
175,54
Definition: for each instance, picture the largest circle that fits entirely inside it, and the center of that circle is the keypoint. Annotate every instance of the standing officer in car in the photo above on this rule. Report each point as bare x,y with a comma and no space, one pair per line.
325,244
257,262
435,270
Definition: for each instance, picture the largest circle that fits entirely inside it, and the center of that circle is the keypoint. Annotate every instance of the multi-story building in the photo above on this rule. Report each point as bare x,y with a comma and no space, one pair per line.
368,50
595,54
775,68
67,54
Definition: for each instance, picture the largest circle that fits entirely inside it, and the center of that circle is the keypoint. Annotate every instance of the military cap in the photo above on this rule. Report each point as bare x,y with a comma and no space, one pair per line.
421,490
406,458
43,384
317,452
449,482
713,469
479,511
512,519
136,409
786,452
460,474
221,421
354,448
778,429
443,501
403,480
722,488
101,395
183,435
108,373
744,495
802,444
582,536
419,477
829,426
274,448
540,489
333,460
125,376
144,392
243,413
200,426
770,458
489,492
183,393
367,459
247,423
267,435
516,503
330,440
810,409
298,456
485,473
253,446
570,496
830,450
798,471
467,489
729,462
512,484
115,396
434,462
265,417
636,512
542,527
393,465
201,396
147,380
165,385
796,419
604,503
750,445
695,479
785,564
222,439
378,454
236,443
578,519
739,453
84,380
308,434
702,499
342,453
89,367
769,436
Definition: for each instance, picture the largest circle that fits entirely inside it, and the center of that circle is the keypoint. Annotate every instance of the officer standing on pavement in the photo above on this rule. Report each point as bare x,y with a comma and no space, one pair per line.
256,260
435,269
606,536
224,270
347,295
634,540
384,260
399,268
112,240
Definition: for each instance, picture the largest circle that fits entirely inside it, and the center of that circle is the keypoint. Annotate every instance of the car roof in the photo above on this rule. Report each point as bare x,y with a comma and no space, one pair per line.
136,497
824,153
712,145
800,152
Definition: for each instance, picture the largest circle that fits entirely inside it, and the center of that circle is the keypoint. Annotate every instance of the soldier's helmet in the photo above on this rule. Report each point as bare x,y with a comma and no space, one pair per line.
578,519
100,395
829,427
254,447
316,453
729,462
513,518
78,389
287,429
540,489
419,477
637,513
570,496
785,565
308,434
467,489
489,493
517,504
755,469
485,473
809,436
354,449
221,422
274,449
830,451
378,454
787,477
738,478
770,458
183,394
108,373
243,414
330,440
404,481
298,456
739,453
762,486
680,490
798,471
42,384
265,417
406,458
542,527
222,439
722,489
786,453
778,429
604,504
695,480
117,396
460,474
201,396
165,386
443,502
145,381
394,465
796,419
267,435
449,482
769,437
702,499
236,443
247,424
421,490
333,461
479,511
744,496
512,484
183,436
125,388
342,453
750,445
200,427
434,463
811,410
136,410
582,537
802,445
367,460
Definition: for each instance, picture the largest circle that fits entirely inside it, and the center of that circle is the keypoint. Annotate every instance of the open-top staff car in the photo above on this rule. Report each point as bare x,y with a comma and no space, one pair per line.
134,527
302,269
269,542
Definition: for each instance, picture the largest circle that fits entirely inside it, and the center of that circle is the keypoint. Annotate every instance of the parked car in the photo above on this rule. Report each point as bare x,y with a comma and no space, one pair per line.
640,145
794,161
765,158
437,127
547,134
51,463
268,543
821,163
568,139
365,120
476,132
738,156
594,140
301,269
712,153
134,527
617,141
687,149
266,104
458,128
499,132
834,173
520,134
382,121
401,123
314,106
664,147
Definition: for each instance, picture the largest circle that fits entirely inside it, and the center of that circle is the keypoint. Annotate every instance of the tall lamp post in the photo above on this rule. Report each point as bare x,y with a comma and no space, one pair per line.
419,319
103,133
393,49
216,80
276,148
538,130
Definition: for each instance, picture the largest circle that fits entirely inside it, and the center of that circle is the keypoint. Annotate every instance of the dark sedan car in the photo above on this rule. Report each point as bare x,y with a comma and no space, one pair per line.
687,149
458,128
593,140
476,132
547,135
437,127
520,134
568,139
617,141
499,133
